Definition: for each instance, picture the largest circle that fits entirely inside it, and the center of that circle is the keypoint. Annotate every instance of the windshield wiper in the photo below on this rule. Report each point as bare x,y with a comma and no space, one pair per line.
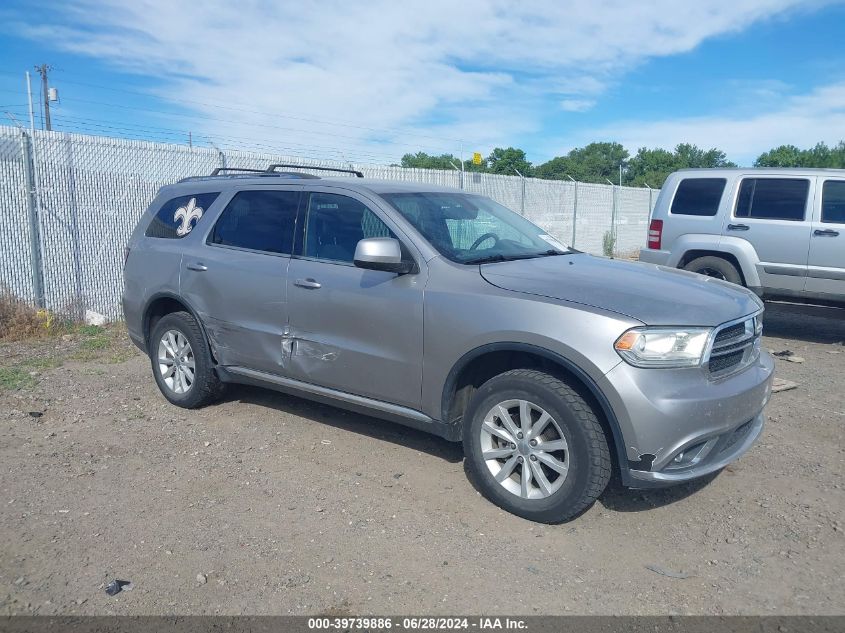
498,257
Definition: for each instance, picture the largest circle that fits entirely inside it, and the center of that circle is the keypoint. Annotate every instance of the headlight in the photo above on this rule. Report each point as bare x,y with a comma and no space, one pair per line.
663,347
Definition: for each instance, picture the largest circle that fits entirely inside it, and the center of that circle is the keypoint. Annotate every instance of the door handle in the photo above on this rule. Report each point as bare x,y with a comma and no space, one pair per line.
738,227
826,233
198,267
307,283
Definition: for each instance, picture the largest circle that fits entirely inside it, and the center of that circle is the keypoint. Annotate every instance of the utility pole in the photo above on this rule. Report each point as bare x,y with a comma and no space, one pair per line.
43,69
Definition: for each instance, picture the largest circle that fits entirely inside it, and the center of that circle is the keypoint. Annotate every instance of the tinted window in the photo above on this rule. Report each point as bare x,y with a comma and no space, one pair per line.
258,220
833,201
336,224
698,196
772,198
177,217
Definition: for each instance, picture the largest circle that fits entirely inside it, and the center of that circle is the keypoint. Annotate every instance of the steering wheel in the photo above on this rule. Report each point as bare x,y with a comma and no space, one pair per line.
481,240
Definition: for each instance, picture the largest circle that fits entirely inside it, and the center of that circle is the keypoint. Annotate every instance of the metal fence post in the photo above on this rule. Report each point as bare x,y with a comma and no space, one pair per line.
27,153
574,210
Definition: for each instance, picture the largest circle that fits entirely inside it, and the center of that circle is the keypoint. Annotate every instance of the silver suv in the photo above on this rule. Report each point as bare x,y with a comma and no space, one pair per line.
780,232
449,313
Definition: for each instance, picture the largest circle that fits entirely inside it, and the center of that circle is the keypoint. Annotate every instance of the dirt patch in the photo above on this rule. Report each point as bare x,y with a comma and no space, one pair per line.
286,506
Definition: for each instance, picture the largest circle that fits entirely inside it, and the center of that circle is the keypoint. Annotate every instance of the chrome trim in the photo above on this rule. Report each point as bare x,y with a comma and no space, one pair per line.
748,342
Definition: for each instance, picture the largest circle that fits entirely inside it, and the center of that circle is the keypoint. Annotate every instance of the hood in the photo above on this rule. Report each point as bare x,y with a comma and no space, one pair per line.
655,295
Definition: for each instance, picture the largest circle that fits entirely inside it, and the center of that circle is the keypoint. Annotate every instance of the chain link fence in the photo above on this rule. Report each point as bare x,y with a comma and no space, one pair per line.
68,203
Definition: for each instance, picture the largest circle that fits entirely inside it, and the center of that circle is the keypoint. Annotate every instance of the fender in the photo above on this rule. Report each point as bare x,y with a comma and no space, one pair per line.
169,295
741,249
580,374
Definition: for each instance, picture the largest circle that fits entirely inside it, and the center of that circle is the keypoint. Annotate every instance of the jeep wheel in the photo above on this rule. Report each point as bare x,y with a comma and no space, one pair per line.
182,363
715,267
535,447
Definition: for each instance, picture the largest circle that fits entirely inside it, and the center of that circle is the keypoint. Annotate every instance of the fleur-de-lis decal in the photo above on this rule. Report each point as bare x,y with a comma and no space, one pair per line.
187,216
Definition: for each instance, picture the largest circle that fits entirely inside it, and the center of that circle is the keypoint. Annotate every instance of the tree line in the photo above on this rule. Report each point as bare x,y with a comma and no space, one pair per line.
599,162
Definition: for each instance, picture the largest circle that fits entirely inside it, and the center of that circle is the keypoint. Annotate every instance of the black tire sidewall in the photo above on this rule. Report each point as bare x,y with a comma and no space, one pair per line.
203,371
552,508
725,267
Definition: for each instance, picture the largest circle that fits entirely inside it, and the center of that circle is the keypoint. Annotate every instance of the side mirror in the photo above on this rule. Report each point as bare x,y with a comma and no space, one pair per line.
381,253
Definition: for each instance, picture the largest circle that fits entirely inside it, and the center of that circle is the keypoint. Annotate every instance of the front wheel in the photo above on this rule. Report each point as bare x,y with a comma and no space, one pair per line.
535,446
181,362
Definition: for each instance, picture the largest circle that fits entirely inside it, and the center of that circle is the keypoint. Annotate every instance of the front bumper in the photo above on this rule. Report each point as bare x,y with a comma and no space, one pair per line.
680,424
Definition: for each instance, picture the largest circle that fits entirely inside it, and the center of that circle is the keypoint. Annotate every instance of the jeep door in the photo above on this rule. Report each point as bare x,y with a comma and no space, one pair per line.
234,277
826,270
354,330
773,214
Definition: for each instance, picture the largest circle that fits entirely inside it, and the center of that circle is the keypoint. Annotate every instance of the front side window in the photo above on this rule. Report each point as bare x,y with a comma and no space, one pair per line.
178,216
335,224
772,198
833,201
698,196
261,220
471,229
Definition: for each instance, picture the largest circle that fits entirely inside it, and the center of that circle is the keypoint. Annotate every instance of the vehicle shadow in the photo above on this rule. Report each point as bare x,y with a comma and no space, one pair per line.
809,323
618,498
347,420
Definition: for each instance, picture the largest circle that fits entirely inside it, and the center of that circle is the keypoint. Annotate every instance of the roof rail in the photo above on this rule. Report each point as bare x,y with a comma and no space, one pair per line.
218,170
272,169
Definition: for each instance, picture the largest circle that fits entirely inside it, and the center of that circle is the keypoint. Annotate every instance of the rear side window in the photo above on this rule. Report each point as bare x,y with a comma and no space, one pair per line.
178,217
698,196
258,221
833,201
772,198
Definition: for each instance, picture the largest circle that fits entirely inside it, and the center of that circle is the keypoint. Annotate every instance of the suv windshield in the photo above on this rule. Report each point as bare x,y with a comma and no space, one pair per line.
471,229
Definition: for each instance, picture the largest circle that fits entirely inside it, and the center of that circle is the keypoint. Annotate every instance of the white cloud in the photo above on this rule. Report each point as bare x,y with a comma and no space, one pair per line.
577,105
479,70
801,120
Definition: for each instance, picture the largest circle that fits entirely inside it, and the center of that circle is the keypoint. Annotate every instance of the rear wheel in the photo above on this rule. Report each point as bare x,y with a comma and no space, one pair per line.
716,267
181,362
535,447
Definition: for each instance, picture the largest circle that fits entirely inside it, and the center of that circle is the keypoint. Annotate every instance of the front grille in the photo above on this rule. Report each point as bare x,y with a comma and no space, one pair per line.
735,346
722,363
731,332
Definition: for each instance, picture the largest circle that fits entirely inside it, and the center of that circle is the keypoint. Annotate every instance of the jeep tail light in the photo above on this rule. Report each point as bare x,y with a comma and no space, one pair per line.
655,234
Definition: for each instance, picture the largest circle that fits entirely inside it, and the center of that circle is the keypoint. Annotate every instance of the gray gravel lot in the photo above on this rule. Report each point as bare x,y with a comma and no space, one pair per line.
288,507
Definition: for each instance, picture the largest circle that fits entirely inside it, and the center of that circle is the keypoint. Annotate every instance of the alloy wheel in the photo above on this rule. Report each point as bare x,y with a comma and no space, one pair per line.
524,449
176,362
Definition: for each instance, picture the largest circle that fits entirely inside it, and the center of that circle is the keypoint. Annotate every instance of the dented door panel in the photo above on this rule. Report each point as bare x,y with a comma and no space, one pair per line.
360,332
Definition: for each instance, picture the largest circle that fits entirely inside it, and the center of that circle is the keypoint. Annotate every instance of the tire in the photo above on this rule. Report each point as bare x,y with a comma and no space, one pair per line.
204,387
715,267
586,453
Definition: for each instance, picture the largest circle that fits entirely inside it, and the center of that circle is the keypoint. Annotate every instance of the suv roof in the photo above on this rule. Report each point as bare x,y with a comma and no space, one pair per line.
812,171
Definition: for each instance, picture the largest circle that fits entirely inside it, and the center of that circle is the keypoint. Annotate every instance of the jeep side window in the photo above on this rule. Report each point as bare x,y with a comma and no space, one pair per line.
178,216
261,220
335,224
772,198
833,202
698,196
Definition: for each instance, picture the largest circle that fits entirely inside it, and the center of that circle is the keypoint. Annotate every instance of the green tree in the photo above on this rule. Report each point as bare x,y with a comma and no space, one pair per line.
790,156
592,163
507,160
652,166
427,161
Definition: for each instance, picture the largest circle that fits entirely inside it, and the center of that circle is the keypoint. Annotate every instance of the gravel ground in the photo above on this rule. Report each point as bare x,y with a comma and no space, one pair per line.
268,504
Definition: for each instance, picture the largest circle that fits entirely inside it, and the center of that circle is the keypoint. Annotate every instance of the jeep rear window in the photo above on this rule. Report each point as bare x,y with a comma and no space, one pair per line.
698,196
772,198
178,217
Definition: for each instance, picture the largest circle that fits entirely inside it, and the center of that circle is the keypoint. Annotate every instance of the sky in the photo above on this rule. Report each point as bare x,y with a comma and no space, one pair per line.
366,82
